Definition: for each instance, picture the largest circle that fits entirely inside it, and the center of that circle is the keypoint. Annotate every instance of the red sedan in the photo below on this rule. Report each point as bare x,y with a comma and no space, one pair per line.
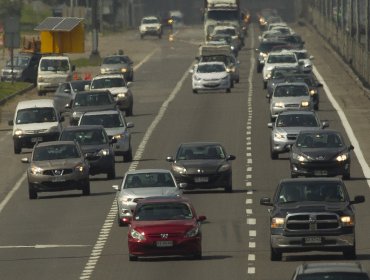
165,226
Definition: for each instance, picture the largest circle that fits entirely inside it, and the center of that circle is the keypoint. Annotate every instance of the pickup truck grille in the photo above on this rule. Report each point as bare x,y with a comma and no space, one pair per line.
312,221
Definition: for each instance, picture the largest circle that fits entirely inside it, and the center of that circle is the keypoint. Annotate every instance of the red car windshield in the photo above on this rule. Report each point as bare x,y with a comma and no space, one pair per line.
163,211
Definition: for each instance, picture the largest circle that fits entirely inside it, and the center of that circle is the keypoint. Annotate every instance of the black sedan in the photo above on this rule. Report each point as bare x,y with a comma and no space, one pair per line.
202,165
320,153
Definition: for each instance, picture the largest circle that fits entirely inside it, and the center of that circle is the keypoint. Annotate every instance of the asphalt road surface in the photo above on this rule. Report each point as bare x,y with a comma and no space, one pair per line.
68,236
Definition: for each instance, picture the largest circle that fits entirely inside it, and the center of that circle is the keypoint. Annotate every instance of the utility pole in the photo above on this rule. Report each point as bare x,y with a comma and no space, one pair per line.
94,30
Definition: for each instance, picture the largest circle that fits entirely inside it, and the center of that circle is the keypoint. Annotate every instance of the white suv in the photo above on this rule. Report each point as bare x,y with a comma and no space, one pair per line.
52,71
118,87
150,26
35,121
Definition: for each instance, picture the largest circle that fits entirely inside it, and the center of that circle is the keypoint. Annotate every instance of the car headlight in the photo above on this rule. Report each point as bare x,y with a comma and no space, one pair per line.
104,152
126,199
103,70
41,79
179,169
35,170
232,48
342,157
196,78
224,167
80,168
137,235
280,135
18,132
230,69
268,76
277,222
279,105
347,220
313,92
123,70
119,137
121,95
305,103
193,232
299,157
76,115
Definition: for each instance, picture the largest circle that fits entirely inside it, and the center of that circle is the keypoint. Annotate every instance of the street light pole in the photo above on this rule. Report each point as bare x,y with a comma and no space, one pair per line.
94,30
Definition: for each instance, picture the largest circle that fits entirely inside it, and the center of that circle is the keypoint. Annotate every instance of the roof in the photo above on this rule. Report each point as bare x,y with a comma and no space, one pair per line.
149,170
200,143
64,24
53,143
312,179
330,267
163,199
104,112
294,112
82,127
35,103
105,76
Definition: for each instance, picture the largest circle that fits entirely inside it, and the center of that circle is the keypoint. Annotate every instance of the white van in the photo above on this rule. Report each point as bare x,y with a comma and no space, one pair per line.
52,71
35,121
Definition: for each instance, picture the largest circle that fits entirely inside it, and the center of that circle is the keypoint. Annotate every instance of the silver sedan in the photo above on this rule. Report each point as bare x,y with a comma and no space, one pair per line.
143,183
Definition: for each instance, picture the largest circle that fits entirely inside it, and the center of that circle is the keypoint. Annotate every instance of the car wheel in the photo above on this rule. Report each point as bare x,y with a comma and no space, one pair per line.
259,68
127,157
229,186
32,194
111,174
274,155
86,188
350,253
237,80
129,110
17,147
232,84
316,107
275,256
346,176
132,77
195,91
141,36
228,90
132,258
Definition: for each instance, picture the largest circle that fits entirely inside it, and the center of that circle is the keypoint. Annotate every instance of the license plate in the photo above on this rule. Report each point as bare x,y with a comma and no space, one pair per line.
201,179
36,139
167,243
313,240
58,179
321,173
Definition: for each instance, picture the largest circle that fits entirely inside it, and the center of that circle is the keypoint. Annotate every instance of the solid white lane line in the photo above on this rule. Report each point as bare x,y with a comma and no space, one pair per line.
43,246
12,192
88,270
347,127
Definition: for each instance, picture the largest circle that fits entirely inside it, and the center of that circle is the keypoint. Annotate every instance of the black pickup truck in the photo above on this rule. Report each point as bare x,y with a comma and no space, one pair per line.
312,214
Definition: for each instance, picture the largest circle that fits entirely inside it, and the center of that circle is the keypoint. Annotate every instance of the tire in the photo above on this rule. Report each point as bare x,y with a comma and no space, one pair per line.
132,77
127,157
259,68
197,256
275,256
111,174
129,110
350,253
232,84
141,36
316,107
228,90
119,222
17,147
32,194
237,80
229,186
86,188
132,258
264,85
195,91
346,176
274,155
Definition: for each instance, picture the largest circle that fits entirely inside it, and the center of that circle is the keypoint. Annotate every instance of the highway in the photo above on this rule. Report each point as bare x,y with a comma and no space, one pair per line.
67,236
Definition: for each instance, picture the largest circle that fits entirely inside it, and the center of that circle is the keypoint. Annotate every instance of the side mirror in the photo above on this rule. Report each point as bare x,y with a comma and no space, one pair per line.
268,96
230,157
73,67
270,125
25,160
182,185
325,124
191,71
201,218
350,147
87,87
116,187
170,159
129,84
68,106
266,201
358,199
130,125
319,85
67,90
11,122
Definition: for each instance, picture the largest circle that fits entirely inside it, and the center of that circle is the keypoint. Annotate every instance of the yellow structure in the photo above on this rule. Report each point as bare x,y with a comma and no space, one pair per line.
62,35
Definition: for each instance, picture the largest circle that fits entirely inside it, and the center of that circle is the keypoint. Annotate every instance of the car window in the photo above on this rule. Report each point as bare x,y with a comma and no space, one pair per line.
106,120
54,65
290,91
149,180
107,83
211,68
163,211
333,276
291,120
36,115
55,152
85,137
92,99
319,140
201,152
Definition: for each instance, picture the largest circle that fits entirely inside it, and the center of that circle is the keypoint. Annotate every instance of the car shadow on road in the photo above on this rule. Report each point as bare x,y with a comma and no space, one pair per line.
181,258
71,195
212,191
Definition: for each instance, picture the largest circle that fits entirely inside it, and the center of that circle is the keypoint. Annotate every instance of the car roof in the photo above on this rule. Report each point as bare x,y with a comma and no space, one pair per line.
53,143
330,267
312,179
291,84
83,127
35,103
211,62
148,170
150,17
105,112
97,91
295,112
105,76
163,199
200,143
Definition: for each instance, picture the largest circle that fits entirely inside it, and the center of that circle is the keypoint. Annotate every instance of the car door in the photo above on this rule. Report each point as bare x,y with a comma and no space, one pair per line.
63,96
